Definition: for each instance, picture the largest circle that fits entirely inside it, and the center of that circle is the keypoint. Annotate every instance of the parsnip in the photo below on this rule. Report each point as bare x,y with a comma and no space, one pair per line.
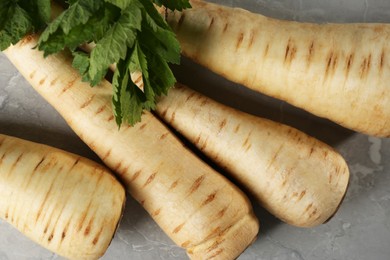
336,71
67,204
297,178
199,209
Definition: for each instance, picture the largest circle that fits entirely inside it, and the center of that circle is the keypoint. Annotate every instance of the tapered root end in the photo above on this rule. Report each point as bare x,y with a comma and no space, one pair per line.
230,243
338,194
339,205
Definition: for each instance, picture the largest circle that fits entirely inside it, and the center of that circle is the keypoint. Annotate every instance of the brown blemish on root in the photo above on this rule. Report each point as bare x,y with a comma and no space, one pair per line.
143,126
331,64
44,202
365,67
118,166
382,60
150,179
337,170
325,154
100,109
197,139
14,164
68,86
108,153
222,124
42,81
27,39
75,163
65,230
348,65
311,151
39,163
308,207
190,96
225,27
178,228
186,244
313,213
110,118
163,113
311,52
273,159
181,19
2,157
251,39
86,103
219,251
215,244
247,139
266,49
156,213
172,118
209,199
204,102
291,51
84,216
239,41
197,183
204,145
97,237
136,175
54,81
301,195
237,128
164,135
87,230
174,184
46,227
17,160
138,80
211,23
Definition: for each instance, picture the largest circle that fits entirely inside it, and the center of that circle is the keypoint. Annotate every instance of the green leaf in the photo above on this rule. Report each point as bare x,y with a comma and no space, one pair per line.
17,18
129,33
38,10
93,30
173,5
81,63
158,36
122,4
6,7
113,46
140,63
128,98
78,13
18,24
162,42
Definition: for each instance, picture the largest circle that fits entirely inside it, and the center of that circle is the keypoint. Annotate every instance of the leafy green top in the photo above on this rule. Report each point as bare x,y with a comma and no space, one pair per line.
128,33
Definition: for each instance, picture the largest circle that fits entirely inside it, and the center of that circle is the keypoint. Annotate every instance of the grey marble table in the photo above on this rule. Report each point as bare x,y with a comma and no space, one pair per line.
360,229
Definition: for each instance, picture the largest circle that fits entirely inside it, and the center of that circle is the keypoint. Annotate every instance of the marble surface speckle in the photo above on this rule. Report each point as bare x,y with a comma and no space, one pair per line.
360,229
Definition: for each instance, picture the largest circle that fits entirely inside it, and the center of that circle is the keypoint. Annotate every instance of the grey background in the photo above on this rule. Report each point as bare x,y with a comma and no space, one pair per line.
360,229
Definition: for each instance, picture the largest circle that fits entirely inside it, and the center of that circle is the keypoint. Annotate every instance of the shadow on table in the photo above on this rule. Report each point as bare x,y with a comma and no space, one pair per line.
69,142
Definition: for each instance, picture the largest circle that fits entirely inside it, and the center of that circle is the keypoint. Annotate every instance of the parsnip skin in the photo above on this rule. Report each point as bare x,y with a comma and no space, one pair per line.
336,71
67,204
198,209
297,178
